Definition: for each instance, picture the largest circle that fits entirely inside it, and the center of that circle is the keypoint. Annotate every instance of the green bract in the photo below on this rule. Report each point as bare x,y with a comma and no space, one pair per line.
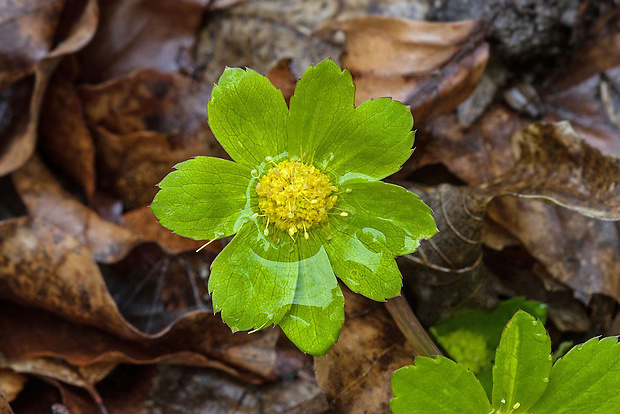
304,200
585,380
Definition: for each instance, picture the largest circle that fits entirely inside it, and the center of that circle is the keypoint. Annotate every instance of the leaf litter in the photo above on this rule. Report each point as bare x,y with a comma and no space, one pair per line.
95,296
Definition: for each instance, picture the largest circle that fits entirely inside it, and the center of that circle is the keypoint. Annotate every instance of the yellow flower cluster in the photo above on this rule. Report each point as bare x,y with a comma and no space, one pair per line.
295,196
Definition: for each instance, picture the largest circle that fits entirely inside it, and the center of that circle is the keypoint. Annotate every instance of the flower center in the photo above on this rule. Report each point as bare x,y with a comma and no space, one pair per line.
295,196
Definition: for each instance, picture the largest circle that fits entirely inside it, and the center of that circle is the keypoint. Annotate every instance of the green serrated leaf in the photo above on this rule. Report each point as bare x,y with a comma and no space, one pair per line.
437,385
585,380
252,281
399,215
314,321
247,115
522,364
323,101
205,198
361,260
372,145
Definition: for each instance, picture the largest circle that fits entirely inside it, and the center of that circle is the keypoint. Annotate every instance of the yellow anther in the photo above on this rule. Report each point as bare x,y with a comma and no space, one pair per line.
517,405
295,196
344,214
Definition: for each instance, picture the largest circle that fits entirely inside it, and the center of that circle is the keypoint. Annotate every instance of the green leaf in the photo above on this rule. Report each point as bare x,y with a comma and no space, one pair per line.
205,198
522,364
253,281
323,101
398,215
585,380
247,115
490,324
316,317
437,386
467,348
361,260
372,145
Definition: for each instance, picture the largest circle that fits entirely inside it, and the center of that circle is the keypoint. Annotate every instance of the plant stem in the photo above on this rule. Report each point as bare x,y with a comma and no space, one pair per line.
409,325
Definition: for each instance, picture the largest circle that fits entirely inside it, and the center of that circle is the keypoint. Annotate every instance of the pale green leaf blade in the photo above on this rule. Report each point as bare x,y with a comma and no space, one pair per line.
322,103
522,364
253,279
437,386
585,380
396,215
204,199
374,144
361,260
316,317
247,115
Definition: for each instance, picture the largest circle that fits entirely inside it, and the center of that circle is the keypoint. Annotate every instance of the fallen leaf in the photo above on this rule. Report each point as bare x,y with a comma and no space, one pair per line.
11,383
19,145
430,66
554,163
48,203
64,135
356,373
5,408
576,250
144,124
138,33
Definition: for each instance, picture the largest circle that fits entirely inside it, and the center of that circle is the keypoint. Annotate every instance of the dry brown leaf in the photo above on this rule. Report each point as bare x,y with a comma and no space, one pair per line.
5,408
578,251
47,202
139,33
27,31
11,383
42,266
356,373
552,162
430,66
37,334
475,155
64,136
144,124
19,145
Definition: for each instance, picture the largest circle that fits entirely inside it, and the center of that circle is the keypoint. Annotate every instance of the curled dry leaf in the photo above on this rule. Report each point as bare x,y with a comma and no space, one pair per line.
41,335
22,26
554,163
145,123
5,408
49,204
430,66
138,33
358,378
42,266
576,250
64,135
11,383
259,34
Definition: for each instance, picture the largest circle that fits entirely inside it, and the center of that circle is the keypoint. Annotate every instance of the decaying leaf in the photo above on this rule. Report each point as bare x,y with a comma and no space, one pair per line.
554,163
65,137
576,250
430,66
5,408
144,123
11,383
20,26
135,34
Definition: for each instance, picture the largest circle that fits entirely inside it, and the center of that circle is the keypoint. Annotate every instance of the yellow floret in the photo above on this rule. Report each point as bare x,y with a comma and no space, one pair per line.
295,196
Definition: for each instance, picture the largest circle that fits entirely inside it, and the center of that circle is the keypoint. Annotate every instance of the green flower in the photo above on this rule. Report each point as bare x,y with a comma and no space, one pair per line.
304,200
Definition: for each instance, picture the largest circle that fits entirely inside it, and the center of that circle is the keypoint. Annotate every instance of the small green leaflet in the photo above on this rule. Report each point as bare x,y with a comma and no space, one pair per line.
585,380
